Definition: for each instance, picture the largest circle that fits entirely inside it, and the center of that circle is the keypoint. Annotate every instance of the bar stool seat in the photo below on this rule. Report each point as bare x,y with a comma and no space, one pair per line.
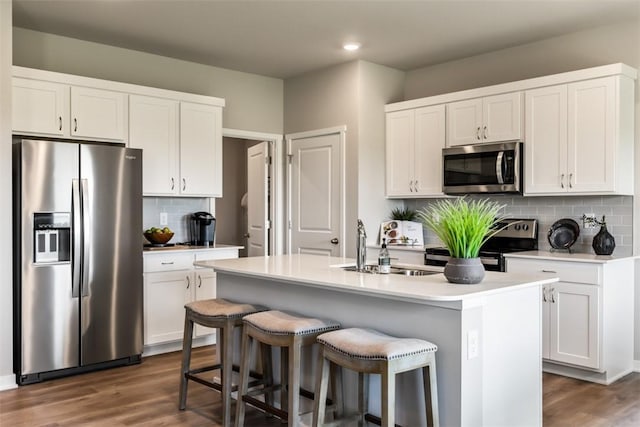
223,315
285,330
368,351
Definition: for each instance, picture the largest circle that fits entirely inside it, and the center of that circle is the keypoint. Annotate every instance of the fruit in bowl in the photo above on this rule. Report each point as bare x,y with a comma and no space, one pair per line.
158,236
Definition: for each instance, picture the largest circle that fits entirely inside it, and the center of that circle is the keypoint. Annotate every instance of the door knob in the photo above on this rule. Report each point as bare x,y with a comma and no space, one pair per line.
247,235
335,241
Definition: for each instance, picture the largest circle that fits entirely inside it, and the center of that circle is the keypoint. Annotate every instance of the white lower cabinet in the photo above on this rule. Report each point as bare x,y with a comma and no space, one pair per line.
587,316
170,282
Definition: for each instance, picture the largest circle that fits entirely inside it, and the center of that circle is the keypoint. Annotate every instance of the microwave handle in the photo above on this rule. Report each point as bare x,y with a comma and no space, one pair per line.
499,173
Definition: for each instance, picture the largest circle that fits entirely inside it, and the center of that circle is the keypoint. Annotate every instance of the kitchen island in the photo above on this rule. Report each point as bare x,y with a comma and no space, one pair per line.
488,335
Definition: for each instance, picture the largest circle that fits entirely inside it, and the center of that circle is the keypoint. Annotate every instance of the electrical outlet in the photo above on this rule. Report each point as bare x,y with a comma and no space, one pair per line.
472,344
163,218
589,220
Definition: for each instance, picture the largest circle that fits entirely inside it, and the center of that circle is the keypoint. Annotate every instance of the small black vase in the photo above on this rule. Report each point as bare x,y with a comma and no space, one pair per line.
603,242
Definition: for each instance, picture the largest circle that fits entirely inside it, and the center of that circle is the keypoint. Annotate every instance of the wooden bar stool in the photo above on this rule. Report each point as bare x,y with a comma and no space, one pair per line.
290,332
225,316
371,352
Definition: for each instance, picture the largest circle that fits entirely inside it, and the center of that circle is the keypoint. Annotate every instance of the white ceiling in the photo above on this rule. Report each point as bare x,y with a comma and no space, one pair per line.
287,38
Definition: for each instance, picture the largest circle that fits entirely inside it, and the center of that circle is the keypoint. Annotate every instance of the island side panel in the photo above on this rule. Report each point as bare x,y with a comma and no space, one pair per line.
511,354
441,326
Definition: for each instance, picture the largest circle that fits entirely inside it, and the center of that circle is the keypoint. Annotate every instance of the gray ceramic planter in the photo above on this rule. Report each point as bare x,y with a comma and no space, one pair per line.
466,271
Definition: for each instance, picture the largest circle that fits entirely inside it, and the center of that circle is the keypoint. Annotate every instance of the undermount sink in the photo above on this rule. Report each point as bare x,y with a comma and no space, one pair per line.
373,269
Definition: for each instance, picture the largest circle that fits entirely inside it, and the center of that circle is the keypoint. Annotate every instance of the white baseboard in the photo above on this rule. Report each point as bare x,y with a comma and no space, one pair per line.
7,382
636,366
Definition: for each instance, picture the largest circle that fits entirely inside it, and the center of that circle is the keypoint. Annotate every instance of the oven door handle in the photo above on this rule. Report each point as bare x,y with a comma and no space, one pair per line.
499,167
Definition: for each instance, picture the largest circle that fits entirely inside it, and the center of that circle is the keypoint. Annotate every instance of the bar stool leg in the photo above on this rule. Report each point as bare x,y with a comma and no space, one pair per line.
388,388
320,402
363,397
226,374
186,360
244,377
431,393
267,373
295,351
335,373
284,378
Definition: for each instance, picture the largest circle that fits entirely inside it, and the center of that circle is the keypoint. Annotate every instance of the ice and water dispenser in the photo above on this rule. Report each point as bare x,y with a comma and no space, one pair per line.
52,237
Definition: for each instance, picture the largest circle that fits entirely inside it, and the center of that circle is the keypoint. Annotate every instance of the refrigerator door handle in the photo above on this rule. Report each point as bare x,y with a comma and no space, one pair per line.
86,236
76,257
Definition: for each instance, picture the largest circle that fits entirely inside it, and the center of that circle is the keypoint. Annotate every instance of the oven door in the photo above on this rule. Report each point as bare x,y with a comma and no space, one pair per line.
483,168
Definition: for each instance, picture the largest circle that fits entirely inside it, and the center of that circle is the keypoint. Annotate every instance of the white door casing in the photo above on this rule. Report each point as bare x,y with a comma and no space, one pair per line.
316,189
257,202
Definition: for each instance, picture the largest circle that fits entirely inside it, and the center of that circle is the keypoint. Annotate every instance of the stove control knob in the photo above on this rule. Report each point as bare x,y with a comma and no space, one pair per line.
525,227
517,226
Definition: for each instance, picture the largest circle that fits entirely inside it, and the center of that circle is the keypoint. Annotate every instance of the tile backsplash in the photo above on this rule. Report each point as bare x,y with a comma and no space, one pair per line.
618,211
177,209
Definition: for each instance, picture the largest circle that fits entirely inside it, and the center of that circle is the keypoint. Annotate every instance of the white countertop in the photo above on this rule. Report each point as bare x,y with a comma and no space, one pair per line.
319,271
186,248
566,256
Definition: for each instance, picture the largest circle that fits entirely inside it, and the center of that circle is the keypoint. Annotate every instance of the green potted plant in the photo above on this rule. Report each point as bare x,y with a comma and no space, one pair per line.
463,226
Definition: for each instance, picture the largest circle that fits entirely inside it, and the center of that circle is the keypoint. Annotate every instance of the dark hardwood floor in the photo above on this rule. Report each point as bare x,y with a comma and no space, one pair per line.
147,394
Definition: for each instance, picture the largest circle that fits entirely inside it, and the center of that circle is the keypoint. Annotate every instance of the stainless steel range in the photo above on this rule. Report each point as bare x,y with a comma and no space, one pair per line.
518,235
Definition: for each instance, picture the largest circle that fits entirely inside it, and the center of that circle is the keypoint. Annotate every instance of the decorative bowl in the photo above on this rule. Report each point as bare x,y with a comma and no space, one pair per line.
158,238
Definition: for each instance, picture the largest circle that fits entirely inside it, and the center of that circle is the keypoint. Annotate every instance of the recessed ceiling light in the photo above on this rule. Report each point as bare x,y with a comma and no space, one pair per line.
351,46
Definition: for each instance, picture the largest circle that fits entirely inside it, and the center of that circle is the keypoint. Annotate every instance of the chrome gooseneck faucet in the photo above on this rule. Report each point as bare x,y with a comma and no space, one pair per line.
361,247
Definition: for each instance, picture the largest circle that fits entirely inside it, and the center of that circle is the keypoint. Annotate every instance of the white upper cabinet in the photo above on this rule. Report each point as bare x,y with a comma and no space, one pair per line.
40,108
200,150
488,119
153,127
414,143
579,138
98,114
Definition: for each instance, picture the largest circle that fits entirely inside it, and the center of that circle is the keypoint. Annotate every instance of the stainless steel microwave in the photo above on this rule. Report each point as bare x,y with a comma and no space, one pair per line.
483,168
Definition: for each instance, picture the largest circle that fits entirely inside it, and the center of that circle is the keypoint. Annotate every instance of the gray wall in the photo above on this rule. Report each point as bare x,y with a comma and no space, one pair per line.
231,217
253,102
6,367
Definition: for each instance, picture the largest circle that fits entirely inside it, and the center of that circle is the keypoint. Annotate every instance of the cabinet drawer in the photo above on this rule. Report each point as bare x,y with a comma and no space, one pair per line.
167,262
216,254
576,272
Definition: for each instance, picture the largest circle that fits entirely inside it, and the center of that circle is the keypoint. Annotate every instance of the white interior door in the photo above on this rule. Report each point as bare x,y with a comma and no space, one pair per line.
257,199
316,192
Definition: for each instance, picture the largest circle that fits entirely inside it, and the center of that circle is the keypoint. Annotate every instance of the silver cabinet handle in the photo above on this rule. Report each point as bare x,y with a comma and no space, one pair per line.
415,186
553,299
188,282
166,263
173,184
484,133
59,122
184,184
562,181
570,179
75,125
478,133
549,271
544,294
411,186
199,281
335,241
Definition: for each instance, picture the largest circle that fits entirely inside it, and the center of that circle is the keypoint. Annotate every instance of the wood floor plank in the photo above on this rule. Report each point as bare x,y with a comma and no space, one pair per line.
147,395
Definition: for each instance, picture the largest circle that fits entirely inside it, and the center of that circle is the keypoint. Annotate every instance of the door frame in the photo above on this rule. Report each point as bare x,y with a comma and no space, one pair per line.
276,207
342,131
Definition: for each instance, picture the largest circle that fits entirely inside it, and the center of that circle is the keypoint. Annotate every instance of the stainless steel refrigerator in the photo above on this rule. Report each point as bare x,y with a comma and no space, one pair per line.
77,257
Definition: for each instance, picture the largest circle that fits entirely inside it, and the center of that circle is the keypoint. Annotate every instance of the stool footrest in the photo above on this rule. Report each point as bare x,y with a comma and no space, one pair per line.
283,415
375,420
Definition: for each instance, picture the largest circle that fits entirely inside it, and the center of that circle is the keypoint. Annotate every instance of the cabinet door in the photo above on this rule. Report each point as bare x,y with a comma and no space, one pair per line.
98,114
592,112
400,136
153,126
464,122
205,288
502,117
165,297
200,150
574,324
545,144
428,145
40,108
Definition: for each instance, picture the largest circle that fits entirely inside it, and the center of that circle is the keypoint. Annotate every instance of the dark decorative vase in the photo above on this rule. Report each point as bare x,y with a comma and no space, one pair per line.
465,271
603,242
